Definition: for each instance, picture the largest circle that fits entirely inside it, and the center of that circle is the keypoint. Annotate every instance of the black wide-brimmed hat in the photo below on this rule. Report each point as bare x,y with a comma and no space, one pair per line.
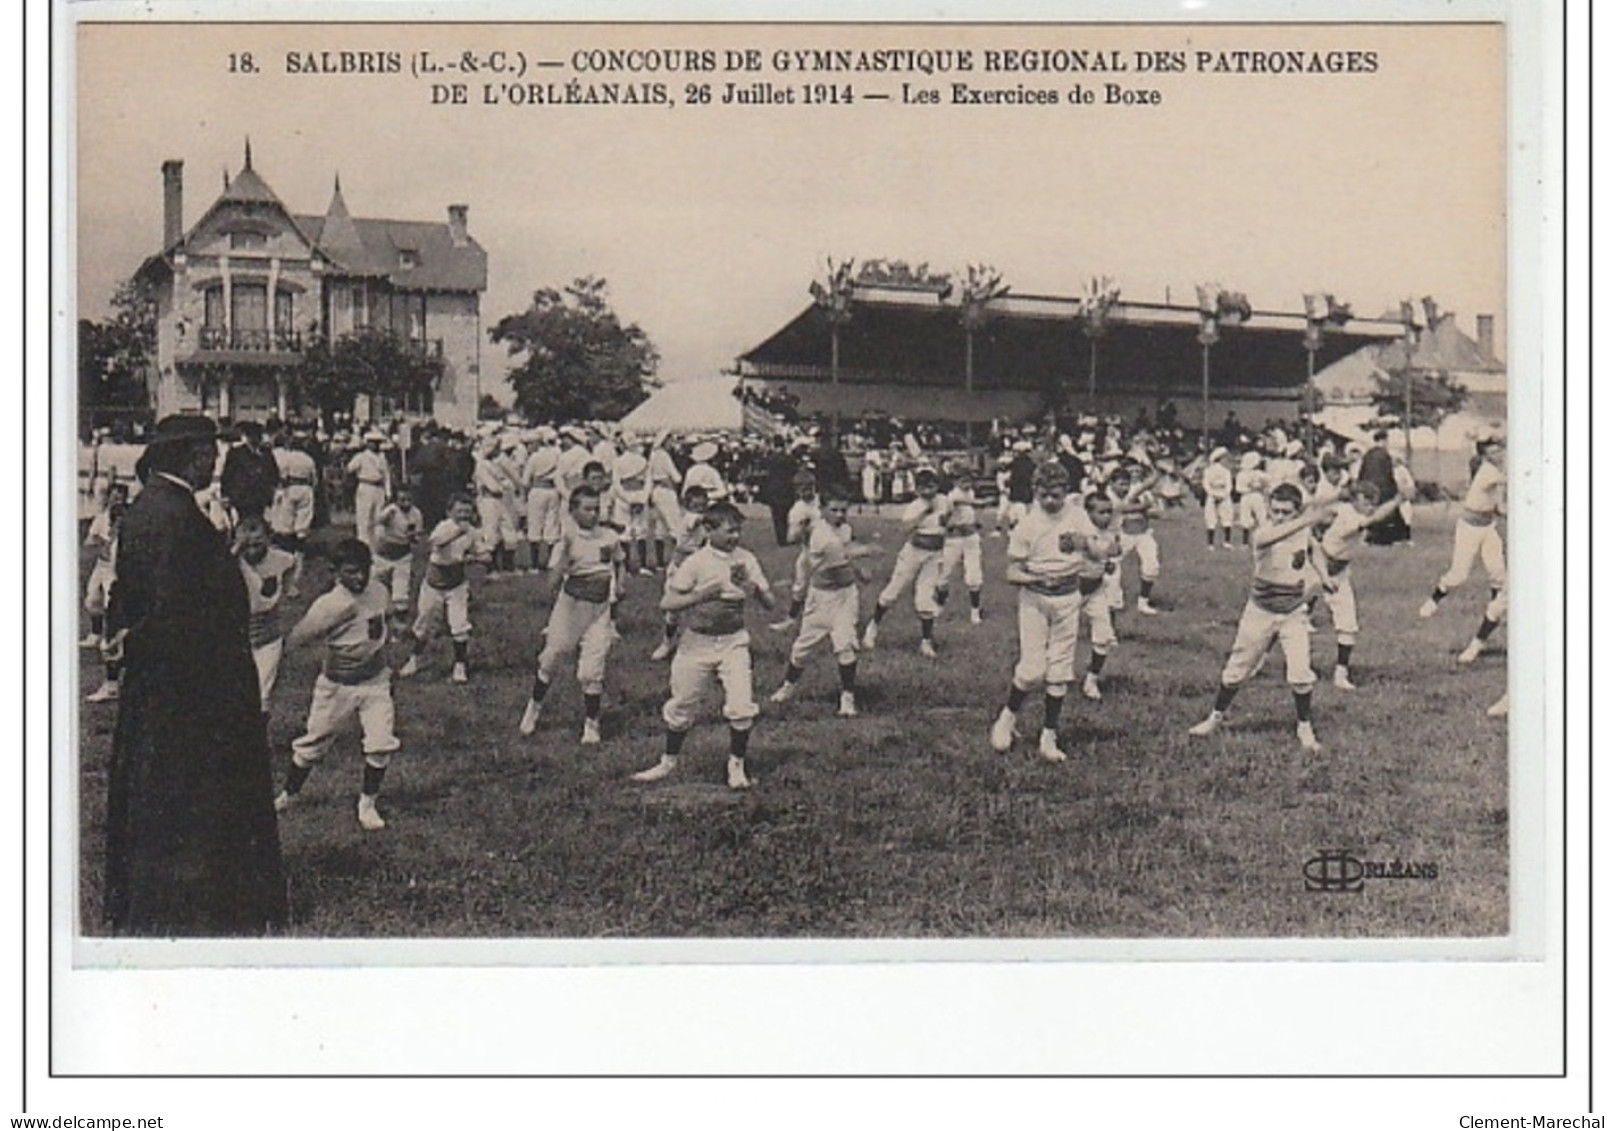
173,429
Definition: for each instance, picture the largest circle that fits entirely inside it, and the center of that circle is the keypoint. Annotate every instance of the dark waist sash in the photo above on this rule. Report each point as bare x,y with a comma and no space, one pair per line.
926,542
441,576
834,577
717,618
595,588
1057,586
1277,597
263,628
392,551
351,673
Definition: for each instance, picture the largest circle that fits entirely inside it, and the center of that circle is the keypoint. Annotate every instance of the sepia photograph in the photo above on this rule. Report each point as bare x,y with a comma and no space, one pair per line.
1042,488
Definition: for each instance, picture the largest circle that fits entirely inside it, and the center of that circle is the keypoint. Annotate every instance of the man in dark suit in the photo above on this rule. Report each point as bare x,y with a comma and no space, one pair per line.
191,843
250,474
779,490
1379,469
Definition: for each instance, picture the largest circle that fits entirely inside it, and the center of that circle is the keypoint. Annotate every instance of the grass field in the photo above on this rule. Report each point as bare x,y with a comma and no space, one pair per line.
903,823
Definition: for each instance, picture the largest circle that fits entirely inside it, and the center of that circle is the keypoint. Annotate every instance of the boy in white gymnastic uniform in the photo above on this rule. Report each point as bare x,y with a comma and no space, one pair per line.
354,681
831,609
925,525
586,560
1046,551
710,591
267,572
1277,609
961,543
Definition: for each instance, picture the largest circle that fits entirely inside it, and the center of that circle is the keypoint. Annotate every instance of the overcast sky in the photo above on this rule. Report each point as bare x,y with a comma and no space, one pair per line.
709,221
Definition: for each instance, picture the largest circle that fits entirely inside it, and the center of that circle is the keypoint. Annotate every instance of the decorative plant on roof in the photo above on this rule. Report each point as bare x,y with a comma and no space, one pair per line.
982,284
833,296
1094,309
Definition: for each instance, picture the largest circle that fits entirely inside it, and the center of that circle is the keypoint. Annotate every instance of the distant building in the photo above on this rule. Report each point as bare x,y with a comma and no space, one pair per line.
241,292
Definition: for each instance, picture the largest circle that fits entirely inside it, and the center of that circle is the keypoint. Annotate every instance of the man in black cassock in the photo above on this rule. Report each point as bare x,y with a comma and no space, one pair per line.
191,843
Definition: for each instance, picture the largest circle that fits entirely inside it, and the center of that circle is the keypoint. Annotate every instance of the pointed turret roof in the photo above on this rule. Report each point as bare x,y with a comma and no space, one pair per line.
339,236
247,186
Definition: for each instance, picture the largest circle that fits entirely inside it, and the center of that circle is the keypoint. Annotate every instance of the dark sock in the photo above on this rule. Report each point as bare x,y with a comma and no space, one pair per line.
540,689
927,625
849,675
1438,594
1096,663
1343,655
1487,627
461,647
670,630
661,553
738,741
1211,537
535,554
643,550
98,622
114,671
975,599
798,604
591,705
372,779
1303,706
1145,588
1016,698
1051,711
942,595
880,611
295,777
675,742
792,673
1225,697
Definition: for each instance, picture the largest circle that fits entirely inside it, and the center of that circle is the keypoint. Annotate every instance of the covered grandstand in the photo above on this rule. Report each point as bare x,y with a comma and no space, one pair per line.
904,352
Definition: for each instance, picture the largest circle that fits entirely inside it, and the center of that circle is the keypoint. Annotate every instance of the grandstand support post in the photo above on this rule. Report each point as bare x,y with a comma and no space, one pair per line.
1208,338
970,359
1314,339
1093,373
834,297
1407,414
835,380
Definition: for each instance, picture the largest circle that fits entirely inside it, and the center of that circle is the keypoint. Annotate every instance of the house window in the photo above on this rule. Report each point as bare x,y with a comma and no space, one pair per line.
361,307
213,308
283,311
249,307
408,257
248,241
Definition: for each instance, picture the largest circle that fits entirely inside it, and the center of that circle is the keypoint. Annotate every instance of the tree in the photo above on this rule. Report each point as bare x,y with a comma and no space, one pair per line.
371,362
579,362
115,355
1435,396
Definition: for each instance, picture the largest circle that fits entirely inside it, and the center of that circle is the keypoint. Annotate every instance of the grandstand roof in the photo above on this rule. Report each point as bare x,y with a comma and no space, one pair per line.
1039,342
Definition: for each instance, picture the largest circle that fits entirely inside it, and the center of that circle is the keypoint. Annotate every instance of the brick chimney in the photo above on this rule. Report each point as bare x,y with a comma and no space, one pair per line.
1485,335
457,225
173,213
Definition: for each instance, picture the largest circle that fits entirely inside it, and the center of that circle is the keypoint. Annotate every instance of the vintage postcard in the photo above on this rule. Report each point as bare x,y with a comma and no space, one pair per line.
1053,499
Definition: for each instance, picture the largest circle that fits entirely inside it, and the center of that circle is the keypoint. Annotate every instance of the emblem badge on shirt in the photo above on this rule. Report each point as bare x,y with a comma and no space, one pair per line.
737,573
378,627
1068,543
1299,559
270,586
605,555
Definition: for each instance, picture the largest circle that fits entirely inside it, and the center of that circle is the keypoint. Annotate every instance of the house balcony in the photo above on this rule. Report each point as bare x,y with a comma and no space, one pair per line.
218,345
